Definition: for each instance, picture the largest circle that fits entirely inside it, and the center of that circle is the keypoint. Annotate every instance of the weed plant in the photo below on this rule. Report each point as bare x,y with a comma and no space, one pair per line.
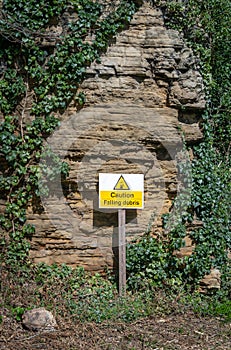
76,295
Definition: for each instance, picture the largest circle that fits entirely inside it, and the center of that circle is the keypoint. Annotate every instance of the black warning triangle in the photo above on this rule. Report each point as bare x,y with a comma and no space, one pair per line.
121,184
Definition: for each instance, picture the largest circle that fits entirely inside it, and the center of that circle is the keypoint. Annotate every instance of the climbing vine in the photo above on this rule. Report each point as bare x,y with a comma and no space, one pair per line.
206,27
209,34
45,48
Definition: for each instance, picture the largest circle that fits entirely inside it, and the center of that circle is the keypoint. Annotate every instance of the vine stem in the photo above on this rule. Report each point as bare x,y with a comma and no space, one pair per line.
228,152
23,111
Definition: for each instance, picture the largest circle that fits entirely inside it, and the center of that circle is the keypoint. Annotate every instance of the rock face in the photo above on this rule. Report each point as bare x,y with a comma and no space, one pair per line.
211,281
146,91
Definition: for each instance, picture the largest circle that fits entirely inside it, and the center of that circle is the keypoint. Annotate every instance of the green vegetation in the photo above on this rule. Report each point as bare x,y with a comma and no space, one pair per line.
45,78
214,307
206,27
76,295
71,292
38,82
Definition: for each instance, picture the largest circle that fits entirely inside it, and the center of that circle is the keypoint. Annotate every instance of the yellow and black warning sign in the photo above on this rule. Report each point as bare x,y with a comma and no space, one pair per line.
121,191
121,184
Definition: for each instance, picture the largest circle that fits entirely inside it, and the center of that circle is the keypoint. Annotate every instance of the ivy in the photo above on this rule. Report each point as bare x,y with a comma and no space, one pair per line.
206,27
40,74
30,15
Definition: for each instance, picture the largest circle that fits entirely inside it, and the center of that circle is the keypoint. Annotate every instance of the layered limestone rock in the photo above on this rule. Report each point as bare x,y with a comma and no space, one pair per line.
146,91
211,281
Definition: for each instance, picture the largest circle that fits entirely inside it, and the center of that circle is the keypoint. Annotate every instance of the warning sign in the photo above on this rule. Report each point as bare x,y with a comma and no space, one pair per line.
121,191
121,184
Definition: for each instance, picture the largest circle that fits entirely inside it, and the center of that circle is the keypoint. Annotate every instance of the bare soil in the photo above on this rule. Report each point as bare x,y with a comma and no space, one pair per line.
173,332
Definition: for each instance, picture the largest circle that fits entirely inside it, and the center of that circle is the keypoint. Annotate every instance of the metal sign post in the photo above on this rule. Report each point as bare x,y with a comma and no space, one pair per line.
122,251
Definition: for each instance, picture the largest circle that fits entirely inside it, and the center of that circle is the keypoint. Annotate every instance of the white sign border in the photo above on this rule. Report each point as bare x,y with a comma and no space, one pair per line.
135,182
